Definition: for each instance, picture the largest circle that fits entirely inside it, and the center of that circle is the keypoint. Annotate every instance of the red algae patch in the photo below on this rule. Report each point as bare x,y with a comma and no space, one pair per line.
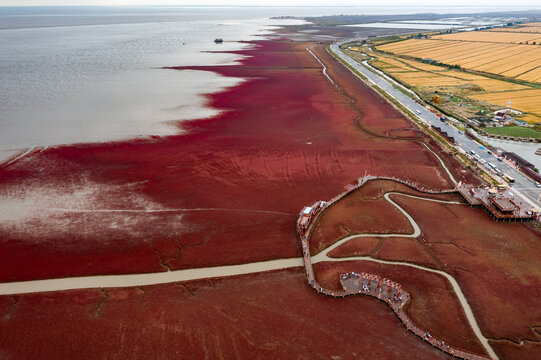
389,248
376,115
458,170
434,305
232,231
497,265
265,316
352,216
360,246
79,224
365,211
408,250
528,350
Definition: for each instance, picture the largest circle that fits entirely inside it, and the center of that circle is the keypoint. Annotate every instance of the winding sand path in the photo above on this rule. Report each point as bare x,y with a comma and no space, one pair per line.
451,177
323,256
416,229
324,68
129,280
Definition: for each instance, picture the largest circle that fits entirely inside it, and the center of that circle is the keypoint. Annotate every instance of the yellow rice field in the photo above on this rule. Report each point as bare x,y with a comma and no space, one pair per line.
419,74
531,118
495,37
423,79
398,64
488,52
511,60
424,67
388,67
524,100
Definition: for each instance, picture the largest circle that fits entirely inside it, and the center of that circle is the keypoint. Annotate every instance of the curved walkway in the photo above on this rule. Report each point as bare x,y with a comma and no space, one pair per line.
323,66
395,297
451,177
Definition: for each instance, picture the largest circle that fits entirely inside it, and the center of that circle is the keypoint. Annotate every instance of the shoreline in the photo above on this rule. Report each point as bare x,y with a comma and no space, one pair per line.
86,103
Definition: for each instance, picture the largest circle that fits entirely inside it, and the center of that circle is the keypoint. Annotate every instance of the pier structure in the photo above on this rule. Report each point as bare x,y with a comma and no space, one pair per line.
502,204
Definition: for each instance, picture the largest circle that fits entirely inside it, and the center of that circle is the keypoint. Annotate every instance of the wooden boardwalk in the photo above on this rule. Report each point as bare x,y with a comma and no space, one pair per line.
373,285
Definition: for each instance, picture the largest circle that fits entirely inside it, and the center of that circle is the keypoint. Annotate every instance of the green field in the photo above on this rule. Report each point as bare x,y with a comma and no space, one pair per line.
515,131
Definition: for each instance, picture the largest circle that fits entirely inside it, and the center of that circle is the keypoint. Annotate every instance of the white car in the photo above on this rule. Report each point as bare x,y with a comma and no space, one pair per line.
537,184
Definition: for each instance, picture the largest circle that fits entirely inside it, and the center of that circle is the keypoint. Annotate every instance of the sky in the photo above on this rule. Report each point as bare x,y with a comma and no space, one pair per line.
428,3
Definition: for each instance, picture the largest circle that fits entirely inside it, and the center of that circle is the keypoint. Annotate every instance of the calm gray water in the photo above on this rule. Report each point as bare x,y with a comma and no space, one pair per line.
88,74
92,83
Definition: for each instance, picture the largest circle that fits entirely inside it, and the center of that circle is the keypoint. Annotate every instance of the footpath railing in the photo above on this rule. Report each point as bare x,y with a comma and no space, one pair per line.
373,285
365,179
320,206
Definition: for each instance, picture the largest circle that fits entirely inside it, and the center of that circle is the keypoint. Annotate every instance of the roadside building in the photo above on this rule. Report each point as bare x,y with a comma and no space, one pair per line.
505,206
531,174
518,160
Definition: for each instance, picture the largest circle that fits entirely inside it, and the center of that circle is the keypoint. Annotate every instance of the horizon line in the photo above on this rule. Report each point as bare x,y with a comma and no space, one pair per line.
275,6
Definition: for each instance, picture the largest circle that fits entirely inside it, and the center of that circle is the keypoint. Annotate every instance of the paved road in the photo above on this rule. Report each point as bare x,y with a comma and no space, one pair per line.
523,186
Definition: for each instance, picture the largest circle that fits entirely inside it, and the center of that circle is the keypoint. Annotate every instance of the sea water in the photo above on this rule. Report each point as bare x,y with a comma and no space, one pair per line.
89,83
91,74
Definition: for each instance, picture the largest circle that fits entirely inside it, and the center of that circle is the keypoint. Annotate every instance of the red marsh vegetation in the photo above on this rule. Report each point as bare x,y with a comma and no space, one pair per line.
228,187
498,266
271,315
365,211
433,306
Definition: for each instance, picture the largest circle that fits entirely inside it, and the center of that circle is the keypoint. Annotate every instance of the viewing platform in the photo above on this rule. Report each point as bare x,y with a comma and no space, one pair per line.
502,204
397,298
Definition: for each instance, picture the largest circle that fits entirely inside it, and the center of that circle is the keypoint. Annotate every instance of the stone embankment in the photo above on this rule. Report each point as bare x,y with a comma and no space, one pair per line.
385,290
